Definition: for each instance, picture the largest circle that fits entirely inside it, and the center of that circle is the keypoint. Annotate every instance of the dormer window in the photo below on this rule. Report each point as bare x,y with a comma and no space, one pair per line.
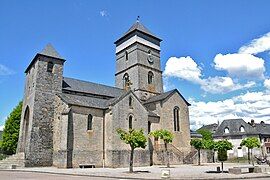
242,129
226,130
49,67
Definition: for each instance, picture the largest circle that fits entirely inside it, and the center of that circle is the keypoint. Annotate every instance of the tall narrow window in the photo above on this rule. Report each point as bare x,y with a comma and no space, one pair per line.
150,77
149,127
126,80
49,67
130,122
126,55
130,101
90,122
176,119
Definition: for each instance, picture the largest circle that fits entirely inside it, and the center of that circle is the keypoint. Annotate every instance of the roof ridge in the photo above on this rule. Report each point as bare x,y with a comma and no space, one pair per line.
93,83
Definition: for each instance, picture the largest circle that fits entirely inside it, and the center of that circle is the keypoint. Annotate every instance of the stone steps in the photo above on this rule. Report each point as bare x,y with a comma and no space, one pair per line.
16,159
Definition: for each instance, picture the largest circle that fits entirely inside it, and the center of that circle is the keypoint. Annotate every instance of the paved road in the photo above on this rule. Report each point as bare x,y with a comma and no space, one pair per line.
9,175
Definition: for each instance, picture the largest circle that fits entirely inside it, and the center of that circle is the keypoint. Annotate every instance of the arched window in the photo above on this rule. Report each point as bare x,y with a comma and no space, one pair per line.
226,130
49,67
126,80
126,55
176,118
242,129
130,122
150,77
90,122
130,101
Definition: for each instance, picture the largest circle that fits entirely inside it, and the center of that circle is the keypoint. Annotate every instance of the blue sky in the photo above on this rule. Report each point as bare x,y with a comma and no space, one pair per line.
215,52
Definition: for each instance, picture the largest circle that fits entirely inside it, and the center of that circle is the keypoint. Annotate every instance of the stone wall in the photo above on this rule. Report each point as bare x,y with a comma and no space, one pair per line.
137,67
40,90
117,152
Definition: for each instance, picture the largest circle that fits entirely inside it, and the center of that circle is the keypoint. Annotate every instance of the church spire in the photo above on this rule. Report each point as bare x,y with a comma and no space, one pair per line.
49,50
137,28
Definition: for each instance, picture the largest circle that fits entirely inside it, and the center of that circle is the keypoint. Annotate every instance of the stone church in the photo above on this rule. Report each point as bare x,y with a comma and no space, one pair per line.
68,122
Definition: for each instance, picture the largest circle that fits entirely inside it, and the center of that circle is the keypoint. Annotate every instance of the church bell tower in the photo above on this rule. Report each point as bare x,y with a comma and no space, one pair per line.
138,62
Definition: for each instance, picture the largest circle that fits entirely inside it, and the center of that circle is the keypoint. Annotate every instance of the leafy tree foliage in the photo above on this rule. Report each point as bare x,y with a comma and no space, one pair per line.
167,137
11,131
206,134
208,142
135,139
250,143
222,146
198,145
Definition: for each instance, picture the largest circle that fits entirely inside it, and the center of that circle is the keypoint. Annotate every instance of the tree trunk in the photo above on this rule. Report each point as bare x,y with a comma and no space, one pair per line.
222,166
248,156
199,157
213,156
252,160
167,155
131,160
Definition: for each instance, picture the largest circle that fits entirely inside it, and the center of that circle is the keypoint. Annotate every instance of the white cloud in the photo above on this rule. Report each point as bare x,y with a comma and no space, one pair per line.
186,68
183,67
252,105
5,70
1,128
103,13
240,65
256,46
223,85
267,83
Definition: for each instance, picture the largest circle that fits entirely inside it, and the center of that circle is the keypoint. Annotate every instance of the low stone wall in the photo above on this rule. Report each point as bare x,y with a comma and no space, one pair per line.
120,158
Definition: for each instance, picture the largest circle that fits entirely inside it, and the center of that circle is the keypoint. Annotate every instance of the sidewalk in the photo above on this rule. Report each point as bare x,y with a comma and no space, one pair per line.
154,172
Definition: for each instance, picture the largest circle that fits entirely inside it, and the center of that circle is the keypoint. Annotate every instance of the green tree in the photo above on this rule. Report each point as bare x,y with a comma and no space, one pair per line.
222,147
250,143
11,131
206,134
198,145
167,138
208,142
135,139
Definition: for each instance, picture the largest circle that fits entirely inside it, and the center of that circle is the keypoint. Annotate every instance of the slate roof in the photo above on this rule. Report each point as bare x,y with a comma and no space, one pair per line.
49,50
210,127
76,85
234,128
137,26
85,101
262,128
194,134
164,96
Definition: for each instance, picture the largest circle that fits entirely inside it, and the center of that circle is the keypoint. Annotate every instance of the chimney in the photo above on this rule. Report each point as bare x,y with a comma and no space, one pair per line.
252,123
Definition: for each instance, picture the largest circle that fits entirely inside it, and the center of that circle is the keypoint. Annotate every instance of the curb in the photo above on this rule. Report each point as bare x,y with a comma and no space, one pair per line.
121,177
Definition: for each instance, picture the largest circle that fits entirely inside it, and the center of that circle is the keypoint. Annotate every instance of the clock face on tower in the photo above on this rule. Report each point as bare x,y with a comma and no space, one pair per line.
150,57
